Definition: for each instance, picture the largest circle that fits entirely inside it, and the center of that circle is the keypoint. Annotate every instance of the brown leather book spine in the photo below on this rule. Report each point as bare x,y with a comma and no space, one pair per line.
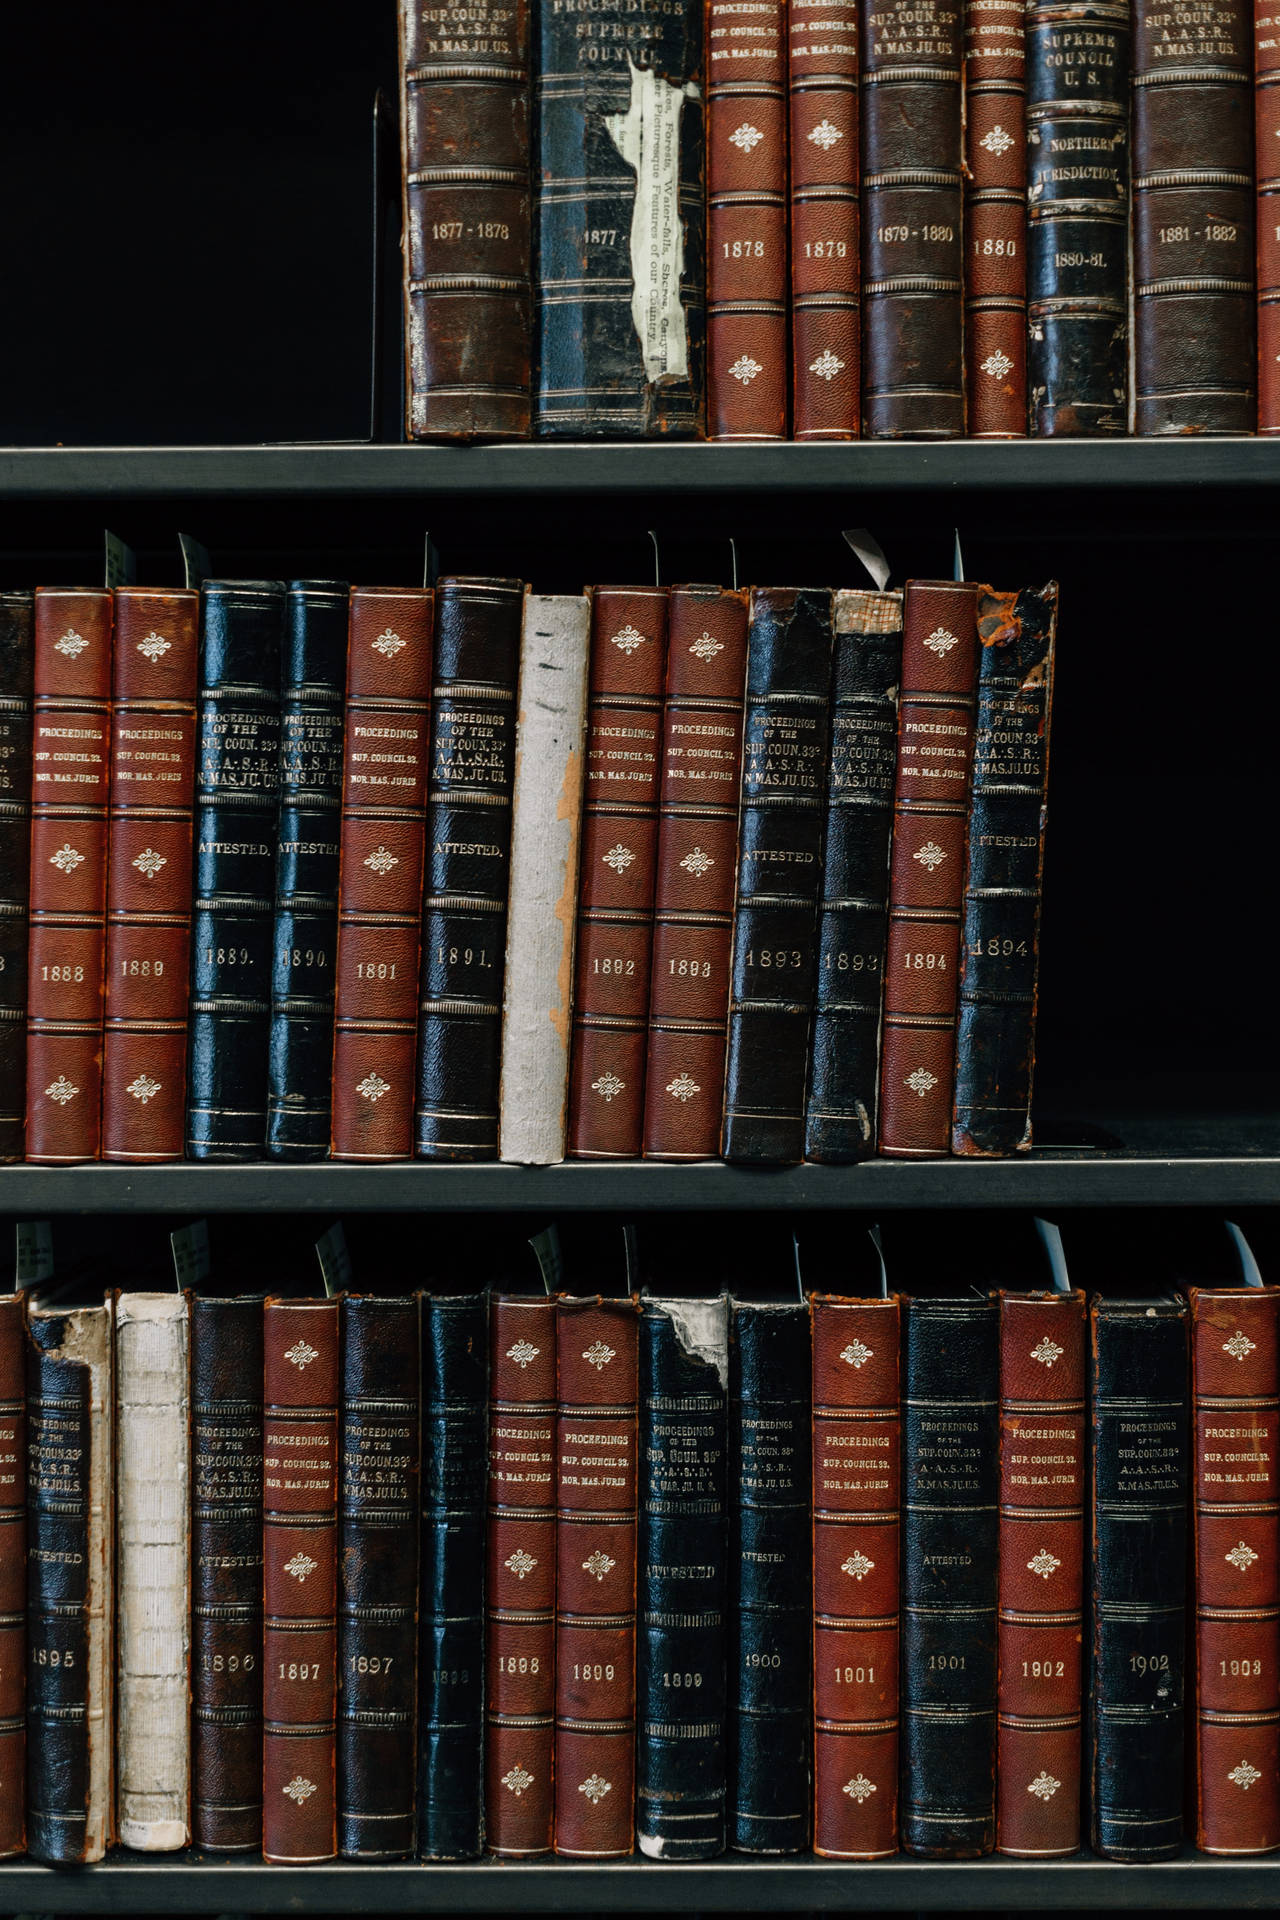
746,220
13,1574
826,275
697,861
299,1580
926,867
616,867
1041,1620
520,1582
1266,146
67,951
1236,1388
1194,259
17,621
384,810
153,725
995,214
912,251
596,1438
464,149
856,1516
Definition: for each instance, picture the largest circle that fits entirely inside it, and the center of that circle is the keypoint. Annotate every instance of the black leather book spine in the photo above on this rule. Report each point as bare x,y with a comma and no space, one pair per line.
313,686
378,1576
226,1574
17,639
464,908
58,1454
951,1470
1141,1475
681,1773
619,247
455,1412
1000,933
237,781
775,923
853,921
771,1714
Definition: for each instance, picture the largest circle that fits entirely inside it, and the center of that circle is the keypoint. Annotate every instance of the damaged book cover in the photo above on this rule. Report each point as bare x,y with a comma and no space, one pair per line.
620,224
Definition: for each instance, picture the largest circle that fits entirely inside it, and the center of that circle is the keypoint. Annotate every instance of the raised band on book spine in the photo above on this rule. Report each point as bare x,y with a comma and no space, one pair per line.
995,213
826,263
856,1499
17,641
153,750
13,1572
1236,1383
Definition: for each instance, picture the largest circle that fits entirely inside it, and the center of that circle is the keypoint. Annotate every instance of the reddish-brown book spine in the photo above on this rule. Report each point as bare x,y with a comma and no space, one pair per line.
1266,138
596,1437
995,212
13,1574
826,274
384,810
617,864
299,1580
856,1515
1236,1387
67,952
152,775
520,1580
746,220
1041,1619
697,862
926,868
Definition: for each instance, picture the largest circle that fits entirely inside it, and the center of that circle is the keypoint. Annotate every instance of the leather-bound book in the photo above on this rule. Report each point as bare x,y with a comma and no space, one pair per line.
746,221
1235,1382
856,1495
520,1578
1140,1475
596,1360
681,1774
300,1057
546,824
13,1573
1077,232
826,263
17,642
299,1579
153,751
771,1579
618,253
1193,208
378,1584
455,1393
926,867
1266,147
696,864
153,1572
464,148
70,1567
853,918
912,243
616,873
67,947
226,1573
237,784
951,1472
786,729
995,213
384,805
1000,930
1042,1478
468,864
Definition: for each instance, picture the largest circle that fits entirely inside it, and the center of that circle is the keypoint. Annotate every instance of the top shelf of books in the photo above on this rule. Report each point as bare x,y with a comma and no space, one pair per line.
319,470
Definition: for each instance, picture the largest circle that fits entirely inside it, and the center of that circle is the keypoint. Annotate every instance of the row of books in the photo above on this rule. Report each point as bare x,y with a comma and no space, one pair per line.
849,1573
472,872
840,217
